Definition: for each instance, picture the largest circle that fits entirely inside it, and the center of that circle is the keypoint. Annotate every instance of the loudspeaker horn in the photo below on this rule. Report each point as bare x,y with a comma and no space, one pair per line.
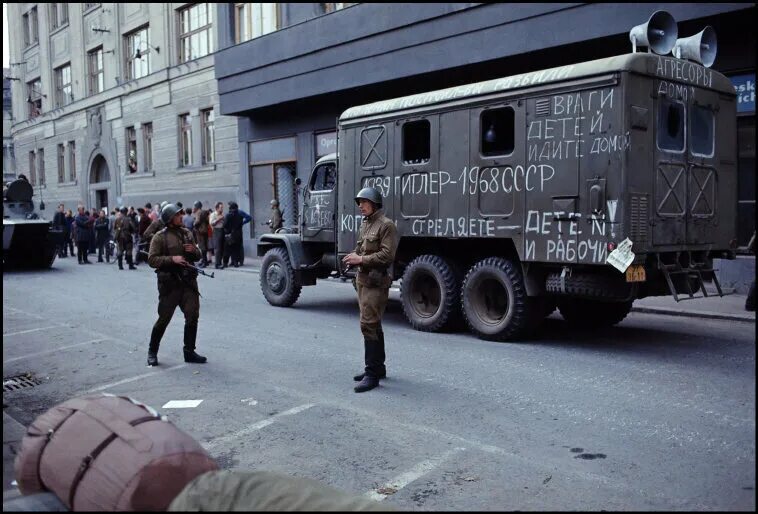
658,34
699,48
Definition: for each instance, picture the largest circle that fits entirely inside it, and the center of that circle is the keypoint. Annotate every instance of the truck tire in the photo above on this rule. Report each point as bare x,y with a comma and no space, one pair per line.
585,313
494,300
278,281
429,292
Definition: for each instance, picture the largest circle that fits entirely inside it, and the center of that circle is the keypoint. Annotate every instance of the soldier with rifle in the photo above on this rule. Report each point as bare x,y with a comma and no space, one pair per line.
124,230
172,250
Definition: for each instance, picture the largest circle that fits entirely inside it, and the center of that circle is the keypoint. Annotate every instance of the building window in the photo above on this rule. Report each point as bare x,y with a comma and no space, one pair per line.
34,98
31,34
32,169
58,15
147,134
63,91
138,50
131,149
72,159
331,7
41,166
195,37
254,20
209,146
87,6
61,163
497,131
416,142
96,80
185,140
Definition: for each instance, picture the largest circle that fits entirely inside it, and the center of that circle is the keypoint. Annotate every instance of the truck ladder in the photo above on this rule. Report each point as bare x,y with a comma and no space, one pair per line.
694,270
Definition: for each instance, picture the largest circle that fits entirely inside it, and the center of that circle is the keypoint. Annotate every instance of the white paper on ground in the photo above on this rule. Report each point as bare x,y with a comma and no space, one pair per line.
182,404
622,256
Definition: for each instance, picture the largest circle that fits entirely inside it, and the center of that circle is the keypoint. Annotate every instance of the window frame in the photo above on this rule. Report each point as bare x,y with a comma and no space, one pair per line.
61,87
241,19
35,93
713,131
424,161
333,174
482,132
61,159
58,15
147,145
95,56
130,133
684,126
187,36
72,160
130,51
185,129
204,126
33,168
41,166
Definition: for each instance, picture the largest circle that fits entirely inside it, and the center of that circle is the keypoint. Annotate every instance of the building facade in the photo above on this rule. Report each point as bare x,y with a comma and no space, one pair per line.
118,104
9,156
289,87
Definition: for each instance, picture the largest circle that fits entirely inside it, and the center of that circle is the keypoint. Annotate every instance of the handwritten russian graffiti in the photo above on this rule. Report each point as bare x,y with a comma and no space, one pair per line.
675,91
677,69
350,222
319,213
454,227
565,243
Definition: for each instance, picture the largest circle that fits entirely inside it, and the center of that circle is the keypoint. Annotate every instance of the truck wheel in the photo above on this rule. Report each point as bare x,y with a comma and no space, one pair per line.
429,292
495,304
585,313
278,281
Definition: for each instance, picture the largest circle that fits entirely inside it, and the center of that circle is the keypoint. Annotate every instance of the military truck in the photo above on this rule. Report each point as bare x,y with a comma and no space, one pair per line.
29,241
516,195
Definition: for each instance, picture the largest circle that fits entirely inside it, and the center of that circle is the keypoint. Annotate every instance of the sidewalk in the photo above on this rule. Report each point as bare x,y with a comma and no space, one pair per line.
13,432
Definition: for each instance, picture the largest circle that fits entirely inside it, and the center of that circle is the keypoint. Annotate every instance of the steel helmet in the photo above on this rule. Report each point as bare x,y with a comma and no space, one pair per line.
163,204
274,202
167,212
370,194
198,205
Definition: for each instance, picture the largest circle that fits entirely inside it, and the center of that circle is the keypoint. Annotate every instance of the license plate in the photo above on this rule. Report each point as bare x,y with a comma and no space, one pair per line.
635,273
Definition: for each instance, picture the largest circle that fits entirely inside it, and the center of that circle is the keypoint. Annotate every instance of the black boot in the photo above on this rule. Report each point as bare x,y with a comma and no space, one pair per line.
129,262
190,335
152,359
360,376
367,384
120,262
155,342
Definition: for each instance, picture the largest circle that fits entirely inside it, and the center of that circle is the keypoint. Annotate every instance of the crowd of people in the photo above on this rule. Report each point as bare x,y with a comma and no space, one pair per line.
130,230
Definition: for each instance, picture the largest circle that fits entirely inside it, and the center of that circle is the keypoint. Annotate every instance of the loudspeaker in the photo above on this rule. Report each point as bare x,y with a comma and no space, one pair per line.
699,48
659,33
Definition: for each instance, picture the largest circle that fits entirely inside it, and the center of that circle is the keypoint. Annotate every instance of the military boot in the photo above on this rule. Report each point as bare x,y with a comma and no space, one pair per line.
120,262
155,343
367,384
190,335
129,262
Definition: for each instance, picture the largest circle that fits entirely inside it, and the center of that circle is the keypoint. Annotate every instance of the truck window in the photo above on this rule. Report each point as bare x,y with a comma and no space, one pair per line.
323,178
671,126
497,131
416,142
701,131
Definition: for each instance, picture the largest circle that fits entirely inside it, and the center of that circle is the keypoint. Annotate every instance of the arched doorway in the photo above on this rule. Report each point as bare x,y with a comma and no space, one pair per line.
99,182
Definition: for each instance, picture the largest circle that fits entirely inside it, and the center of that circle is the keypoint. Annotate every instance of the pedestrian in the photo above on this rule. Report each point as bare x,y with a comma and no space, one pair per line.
750,300
154,227
68,236
217,224
374,254
102,235
232,236
201,226
83,234
153,213
134,215
92,218
144,243
124,232
187,220
246,218
172,251
275,223
59,224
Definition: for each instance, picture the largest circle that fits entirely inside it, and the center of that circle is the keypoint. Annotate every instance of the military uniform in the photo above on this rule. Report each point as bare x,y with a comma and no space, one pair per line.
177,285
124,229
276,219
201,232
377,243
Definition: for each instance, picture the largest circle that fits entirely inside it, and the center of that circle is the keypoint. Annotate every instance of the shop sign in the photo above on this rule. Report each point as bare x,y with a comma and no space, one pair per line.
745,87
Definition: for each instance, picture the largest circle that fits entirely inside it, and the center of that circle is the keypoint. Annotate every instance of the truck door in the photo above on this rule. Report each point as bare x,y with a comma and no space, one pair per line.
496,180
670,183
318,204
703,174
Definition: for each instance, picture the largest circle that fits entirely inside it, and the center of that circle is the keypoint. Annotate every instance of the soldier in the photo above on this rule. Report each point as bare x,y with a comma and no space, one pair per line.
275,223
201,230
170,251
154,227
124,231
374,253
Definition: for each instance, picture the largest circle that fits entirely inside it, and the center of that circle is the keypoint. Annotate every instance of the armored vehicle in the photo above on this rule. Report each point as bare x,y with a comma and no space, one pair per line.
584,187
28,240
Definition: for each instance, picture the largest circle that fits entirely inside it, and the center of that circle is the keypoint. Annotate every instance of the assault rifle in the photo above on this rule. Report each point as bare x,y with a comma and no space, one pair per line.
200,271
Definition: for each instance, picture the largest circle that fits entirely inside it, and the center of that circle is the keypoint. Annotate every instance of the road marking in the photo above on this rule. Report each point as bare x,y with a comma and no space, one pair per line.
46,352
32,330
182,404
29,314
138,377
416,472
254,427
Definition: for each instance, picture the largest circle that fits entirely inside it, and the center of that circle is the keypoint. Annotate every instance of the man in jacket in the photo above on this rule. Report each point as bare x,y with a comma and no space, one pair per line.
59,223
233,236
374,253
102,236
217,224
200,228
172,251
83,234
125,229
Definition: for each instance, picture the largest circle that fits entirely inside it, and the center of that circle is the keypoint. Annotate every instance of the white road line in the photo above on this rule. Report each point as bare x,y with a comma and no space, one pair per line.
254,427
32,330
46,352
29,314
416,472
138,377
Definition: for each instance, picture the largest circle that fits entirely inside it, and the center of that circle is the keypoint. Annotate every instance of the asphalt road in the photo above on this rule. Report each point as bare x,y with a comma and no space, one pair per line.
657,413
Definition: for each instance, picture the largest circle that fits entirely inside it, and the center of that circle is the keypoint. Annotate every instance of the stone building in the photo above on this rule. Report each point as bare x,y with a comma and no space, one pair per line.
9,156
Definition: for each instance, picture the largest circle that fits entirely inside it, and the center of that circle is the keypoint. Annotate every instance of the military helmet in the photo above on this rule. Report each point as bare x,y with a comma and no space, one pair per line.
370,194
198,205
274,203
163,204
124,210
169,211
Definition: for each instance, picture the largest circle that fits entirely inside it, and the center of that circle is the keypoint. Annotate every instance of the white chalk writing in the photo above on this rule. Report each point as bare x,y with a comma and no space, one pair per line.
683,70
